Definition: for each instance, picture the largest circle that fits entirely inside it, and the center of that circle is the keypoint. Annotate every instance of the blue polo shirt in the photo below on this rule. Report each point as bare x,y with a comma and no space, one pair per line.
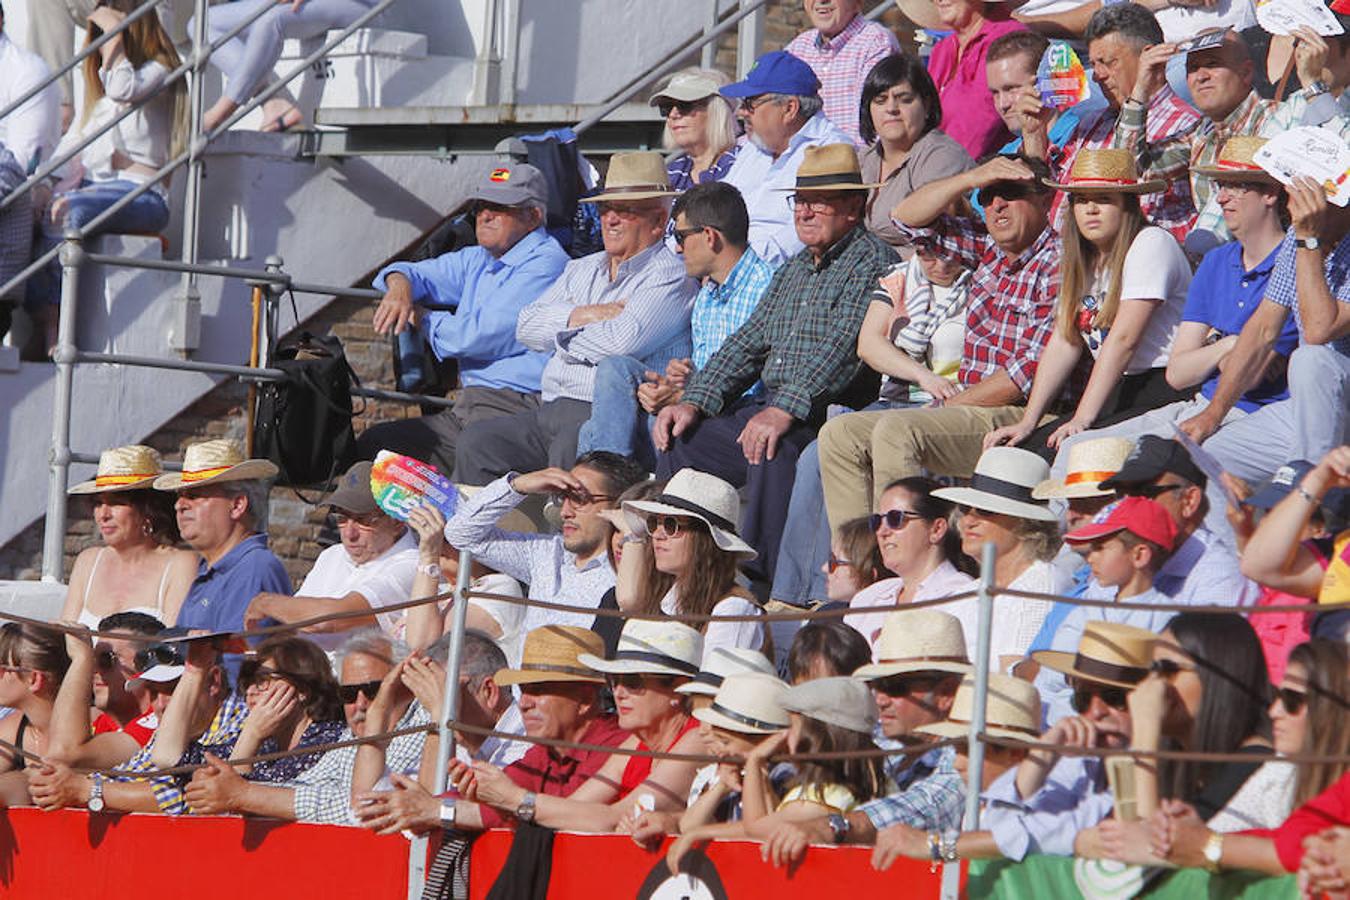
220,593
1223,295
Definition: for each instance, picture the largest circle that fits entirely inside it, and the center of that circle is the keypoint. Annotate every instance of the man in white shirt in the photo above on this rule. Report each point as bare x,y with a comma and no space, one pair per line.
32,130
373,567
781,106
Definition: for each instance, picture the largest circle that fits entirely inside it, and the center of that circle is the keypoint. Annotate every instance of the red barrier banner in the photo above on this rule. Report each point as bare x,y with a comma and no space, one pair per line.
602,866
75,855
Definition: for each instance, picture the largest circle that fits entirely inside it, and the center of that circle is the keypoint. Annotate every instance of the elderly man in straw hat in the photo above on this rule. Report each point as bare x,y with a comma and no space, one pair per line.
801,343
559,700
631,299
782,110
1010,316
221,505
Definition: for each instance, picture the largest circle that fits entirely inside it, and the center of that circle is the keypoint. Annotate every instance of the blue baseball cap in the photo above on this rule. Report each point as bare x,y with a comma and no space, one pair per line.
778,72
1335,503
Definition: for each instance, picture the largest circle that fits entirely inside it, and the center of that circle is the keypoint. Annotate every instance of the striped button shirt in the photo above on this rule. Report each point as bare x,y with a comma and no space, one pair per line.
654,324
842,63
1170,122
935,802
219,738
1011,311
802,338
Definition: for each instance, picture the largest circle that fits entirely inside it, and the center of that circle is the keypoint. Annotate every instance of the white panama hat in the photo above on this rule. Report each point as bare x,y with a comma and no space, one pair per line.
918,640
649,647
1003,481
1013,710
722,662
701,496
748,703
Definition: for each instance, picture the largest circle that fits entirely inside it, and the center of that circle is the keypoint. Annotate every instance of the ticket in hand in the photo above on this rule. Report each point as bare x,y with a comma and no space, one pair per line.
1061,79
1309,152
1202,41
1284,16
401,484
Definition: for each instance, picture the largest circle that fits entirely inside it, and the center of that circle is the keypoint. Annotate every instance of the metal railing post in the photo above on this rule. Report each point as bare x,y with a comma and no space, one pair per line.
54,529
749,38
951,875
709,54
185,332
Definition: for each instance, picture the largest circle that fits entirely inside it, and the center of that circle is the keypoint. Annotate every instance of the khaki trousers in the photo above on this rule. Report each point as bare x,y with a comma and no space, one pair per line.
861,453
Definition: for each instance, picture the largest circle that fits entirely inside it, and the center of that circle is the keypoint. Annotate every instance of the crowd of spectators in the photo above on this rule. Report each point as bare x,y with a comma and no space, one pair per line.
823,366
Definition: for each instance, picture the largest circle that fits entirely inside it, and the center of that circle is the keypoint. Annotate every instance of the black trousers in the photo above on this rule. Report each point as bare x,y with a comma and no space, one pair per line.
1134,395
710,446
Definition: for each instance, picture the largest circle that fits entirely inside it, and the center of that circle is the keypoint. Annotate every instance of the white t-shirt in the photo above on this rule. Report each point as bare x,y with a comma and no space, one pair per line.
508,616
1155,269
385,580
749,635
1017,620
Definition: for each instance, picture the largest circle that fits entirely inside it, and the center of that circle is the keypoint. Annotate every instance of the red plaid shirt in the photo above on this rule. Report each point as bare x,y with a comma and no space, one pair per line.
1011,311
842,63
1170,120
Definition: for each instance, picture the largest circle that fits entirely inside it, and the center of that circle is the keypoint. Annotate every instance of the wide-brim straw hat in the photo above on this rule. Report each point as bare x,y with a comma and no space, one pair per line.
1108,653
1236,162
829,167
839,700
918,640
1012,711
553,653
924,14
640,175
1089,464
720,663
1106,170
701,496
748,703
214,462
651,648
1003,481
131,468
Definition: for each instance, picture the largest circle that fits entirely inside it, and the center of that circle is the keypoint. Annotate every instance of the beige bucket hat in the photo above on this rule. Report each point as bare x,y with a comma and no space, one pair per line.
1013,710
215,462
130,468
839,700
918,640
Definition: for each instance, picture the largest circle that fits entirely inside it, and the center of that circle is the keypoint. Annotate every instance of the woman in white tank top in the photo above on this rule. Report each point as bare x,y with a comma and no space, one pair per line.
137,569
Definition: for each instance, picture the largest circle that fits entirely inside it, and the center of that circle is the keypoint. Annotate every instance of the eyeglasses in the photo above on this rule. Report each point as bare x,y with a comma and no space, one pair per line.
834,564
368,521
750,104
580,498
682,233
1291,700
1010,191
674,526
254,674
1151,491
1169,668
623,210
895,519
903,685
685,107
1084,691
635,683
347,693
815,203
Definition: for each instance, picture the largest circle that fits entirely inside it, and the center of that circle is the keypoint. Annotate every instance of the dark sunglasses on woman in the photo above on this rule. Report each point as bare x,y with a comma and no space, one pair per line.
895,519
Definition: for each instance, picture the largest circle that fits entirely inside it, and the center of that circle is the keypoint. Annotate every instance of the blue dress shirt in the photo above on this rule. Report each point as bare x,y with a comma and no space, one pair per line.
221,593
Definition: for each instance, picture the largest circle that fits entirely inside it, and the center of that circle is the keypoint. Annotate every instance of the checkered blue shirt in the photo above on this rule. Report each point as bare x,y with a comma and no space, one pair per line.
1283,278
719,309
933,803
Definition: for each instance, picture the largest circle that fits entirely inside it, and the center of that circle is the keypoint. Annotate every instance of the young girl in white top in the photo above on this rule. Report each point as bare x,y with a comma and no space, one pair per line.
1124,286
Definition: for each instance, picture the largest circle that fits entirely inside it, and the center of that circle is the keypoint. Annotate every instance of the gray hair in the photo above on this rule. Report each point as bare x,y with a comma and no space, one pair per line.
256,492
1132,22
481,657
807,104
370,642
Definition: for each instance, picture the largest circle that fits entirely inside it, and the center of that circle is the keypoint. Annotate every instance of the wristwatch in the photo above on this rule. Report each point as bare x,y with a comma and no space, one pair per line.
1213,852
839,827
95,803
448,808
948,846
1317,87
525,811
1308,243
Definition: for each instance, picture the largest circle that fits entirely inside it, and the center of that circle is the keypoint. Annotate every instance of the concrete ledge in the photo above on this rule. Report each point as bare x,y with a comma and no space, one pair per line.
35,599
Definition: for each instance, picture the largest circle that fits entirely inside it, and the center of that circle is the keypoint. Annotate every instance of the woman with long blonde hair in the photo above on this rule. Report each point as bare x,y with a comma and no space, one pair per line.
1121,298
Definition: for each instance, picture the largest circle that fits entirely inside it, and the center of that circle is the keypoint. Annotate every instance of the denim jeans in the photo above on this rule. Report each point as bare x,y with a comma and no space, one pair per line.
147,213
618,422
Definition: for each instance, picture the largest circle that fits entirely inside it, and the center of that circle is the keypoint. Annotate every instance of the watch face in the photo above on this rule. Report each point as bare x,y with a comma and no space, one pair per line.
96,804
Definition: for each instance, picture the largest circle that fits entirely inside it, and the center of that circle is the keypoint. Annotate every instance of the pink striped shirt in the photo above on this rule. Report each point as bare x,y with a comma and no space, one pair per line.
842,63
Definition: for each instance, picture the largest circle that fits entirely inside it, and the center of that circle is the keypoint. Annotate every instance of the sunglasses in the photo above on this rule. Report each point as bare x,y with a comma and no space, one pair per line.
1169,668
635,683
750,104
253,674
1291,700
895,519
347,693
1008,190
157,655
580,498
1151,491
484,206
673,526
834,564
105,659
682,233
1084,691
686,107
903,685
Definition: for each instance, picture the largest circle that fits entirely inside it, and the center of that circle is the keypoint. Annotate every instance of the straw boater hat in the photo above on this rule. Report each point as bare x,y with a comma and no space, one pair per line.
918,640
553,653
701,496
924,14
722,662
651,648
1090,463
1002,483
634,176
1013,710
1108,169
128,468
748,703
1236,162
214,462
839,700
1108,653
829,167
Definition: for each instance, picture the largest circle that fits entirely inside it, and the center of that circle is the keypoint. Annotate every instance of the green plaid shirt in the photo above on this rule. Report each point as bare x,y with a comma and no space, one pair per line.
802,338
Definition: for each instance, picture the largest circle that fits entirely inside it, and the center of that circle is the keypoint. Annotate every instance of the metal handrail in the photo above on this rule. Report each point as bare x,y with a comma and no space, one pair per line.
139,12
201,141
269,276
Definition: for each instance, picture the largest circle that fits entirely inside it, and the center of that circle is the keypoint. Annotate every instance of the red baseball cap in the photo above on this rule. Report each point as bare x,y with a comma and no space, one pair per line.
1140,516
